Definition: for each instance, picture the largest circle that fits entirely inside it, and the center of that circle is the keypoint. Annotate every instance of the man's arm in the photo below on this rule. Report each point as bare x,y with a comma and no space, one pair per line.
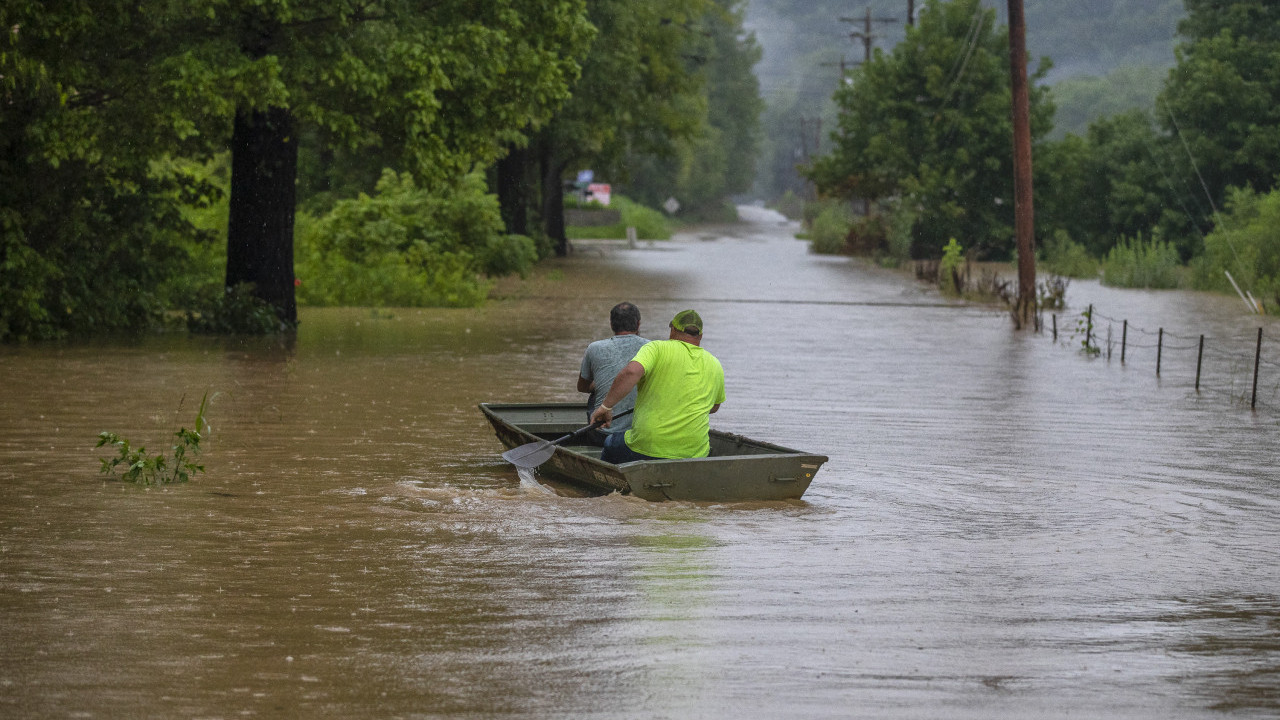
585,385
622,385
715,407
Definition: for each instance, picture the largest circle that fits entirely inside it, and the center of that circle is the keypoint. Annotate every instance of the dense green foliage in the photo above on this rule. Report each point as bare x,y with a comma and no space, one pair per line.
1123,178
88,229
806,42
640,116
1138,263
99,97
407,246
704,169
1222,101
1212,137
133,129
1138,193
829,230
1245,244
1067,258
649,223
927,125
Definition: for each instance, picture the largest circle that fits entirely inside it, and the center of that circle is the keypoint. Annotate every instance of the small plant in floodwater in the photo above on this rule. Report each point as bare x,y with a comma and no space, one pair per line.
1084,324
949,269
145,469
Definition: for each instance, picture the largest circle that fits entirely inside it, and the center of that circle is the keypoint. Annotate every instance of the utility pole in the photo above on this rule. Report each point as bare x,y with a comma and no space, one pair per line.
866,36
1023,210
911,13
843,65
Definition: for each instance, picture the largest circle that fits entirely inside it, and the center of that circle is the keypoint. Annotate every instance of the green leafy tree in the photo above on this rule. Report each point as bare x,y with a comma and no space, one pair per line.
1222,100
929,123
89,226
441,83
1123,179
637,93
98,93
704,170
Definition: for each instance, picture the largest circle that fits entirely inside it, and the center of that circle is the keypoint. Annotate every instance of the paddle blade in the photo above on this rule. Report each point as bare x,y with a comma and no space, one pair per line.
531,455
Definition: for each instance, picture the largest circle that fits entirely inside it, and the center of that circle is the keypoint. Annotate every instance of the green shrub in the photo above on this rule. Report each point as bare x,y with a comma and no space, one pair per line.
829,230
1245,244
144,468
650,224
790,205
408,246
1136,263
1063,256
949,269
235,311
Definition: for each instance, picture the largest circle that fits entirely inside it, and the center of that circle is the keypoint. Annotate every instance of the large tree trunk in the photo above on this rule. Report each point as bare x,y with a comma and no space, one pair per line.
264,169
514,189
553,199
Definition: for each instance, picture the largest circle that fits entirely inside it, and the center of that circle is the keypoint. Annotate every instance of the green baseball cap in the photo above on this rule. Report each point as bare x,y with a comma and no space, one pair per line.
688,322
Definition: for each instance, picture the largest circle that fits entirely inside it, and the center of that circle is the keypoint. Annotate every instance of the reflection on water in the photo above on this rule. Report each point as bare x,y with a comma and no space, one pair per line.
1006,528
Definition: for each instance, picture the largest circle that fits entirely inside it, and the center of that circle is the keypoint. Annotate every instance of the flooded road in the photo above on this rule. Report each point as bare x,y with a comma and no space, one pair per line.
1006,528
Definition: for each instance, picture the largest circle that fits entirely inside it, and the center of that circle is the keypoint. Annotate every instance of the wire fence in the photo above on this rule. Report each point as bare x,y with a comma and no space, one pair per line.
1242,366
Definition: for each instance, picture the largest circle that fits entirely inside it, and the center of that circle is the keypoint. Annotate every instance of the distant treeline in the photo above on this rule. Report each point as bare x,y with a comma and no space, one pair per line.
924,138
1119,50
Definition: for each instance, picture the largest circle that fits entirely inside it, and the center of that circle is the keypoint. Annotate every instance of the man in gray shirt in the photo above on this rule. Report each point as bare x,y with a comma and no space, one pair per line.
605,358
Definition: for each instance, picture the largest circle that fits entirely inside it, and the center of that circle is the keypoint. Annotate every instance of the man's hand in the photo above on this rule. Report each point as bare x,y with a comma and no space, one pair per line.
602,415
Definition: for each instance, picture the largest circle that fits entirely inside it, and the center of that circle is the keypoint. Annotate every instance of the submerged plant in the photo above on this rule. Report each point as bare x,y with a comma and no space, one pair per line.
145,469
1084,325
949,269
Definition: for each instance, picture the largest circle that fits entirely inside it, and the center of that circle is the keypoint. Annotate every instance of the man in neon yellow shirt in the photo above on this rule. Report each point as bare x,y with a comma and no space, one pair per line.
679,385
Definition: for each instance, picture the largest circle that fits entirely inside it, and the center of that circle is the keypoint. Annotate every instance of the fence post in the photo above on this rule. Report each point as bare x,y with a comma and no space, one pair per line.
1088,330
1124,340
1159,350
1055,327
1257,358
1199,362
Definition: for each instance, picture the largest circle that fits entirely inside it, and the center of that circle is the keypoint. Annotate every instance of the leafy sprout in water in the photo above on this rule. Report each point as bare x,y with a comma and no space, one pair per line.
143,468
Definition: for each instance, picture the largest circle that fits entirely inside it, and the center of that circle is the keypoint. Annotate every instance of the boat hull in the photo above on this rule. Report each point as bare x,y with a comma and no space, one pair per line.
738,470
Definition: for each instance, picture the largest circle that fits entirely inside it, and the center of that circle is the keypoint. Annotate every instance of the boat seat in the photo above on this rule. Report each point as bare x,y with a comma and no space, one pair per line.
589,450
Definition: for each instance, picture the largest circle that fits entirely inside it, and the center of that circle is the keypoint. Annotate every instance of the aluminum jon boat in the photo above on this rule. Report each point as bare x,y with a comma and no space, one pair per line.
738,470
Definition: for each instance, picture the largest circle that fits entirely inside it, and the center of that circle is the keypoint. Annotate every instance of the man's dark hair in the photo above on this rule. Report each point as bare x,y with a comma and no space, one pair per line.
624,317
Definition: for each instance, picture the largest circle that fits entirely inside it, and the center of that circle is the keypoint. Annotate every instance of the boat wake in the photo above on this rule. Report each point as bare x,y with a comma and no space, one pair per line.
529,483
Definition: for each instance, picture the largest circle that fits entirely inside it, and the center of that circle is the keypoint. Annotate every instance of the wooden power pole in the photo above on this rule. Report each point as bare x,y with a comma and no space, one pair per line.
1023,209
867,37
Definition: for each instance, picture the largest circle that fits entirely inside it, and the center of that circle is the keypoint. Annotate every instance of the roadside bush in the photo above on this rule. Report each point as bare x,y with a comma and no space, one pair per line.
1135,263
407,246
950,281
1246,244
790,205
829,230
233,310
650,224
1063,256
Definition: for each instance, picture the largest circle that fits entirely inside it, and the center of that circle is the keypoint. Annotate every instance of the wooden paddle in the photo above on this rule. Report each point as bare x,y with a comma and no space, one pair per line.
533,454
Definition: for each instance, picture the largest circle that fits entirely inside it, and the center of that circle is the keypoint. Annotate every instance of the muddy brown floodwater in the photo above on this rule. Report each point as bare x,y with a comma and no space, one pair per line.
1007,528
